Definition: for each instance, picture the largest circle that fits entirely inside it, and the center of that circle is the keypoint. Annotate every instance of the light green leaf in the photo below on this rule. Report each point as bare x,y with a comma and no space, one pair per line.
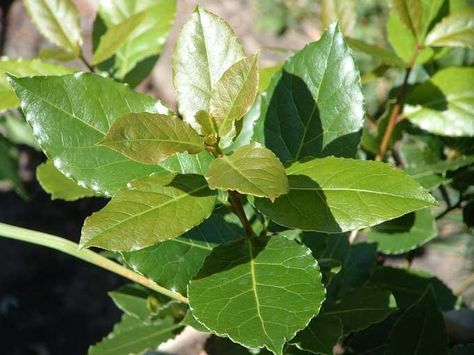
150,138
252,170
58,185
362,307
320,336
444,105
265,75
408,285
71,113
116,37
233,95
342,11
174,262
385,56
136,301
184,163
257,292
420,330
21,68
208,126
148,38
57,20
17,131
335,195
456,30
150,210
205,49
314,106
404,233
132,336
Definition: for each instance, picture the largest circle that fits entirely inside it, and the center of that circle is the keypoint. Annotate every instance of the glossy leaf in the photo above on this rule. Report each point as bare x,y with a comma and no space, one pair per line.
362,307
320,336
233,95
444,105
404,233
116,37
151,138
132,336
149,37
205,49
184,163
21,68
174,262
57,20
150,210
257,292
335,195
71,113
252,170
385,56
456,30
58,185
420,330
408,285
314,107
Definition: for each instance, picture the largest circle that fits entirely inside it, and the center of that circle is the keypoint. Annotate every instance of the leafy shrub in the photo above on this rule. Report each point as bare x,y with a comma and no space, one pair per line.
262,211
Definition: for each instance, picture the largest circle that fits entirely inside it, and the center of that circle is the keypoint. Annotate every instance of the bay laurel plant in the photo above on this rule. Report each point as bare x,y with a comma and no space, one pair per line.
238,213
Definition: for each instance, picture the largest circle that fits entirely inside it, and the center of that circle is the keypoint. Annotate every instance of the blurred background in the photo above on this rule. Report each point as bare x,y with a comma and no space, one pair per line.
50,302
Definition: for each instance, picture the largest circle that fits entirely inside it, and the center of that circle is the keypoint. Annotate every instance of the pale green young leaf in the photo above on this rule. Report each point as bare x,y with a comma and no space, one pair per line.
148,38
252,170
314,106
205,49
137,301
150,138
265,75
247,287
335,195
116,37
456,30
164,262
132,336
184,163
444,105
57,20
320,336
233,95
385,56
362,307
21,68
404,233
342,11
207,125
58,185
150,210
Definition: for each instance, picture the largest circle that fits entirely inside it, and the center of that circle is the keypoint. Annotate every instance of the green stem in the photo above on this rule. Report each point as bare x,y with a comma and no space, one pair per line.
238,209
71,248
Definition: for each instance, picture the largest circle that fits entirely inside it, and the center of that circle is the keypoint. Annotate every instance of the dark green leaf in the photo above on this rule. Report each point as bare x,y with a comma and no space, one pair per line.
257,292
9,167
335,195
467,349
149,211
314,106
456,30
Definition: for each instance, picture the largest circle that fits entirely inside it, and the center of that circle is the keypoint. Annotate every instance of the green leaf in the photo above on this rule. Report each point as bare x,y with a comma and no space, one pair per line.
205,49
342,11
150,210
362,307
233,95
456,30
257,292
58,185
9,166
314,106
17,131
174,262
404,233
420,330
385,56
150,138
409,285
136,301
133,336
265,75
252,170
71,113
22,68
57,20
444,105
336,195
320,336
116,37
184,163
147,40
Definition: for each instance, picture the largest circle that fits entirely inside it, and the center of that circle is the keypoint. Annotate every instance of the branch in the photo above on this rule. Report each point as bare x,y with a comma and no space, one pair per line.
238,209
86,63
68,247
